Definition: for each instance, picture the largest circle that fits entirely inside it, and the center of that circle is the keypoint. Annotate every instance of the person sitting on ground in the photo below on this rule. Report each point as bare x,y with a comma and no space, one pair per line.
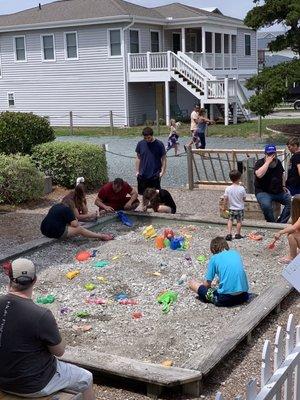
227,265
77,196
31,342
293,176
115,196
173,137
292,232
269,186
159,200
61,223
234,201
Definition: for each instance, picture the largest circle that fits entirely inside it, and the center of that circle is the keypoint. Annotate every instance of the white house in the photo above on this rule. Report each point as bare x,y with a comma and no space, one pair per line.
93,56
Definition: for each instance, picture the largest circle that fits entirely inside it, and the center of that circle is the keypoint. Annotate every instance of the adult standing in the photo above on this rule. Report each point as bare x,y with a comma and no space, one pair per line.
199,134
293,177
150,162
194,123
30,342
269,185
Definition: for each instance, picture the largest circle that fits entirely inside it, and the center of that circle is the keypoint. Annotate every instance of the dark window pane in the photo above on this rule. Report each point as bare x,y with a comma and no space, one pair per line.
134,41
247,45
208,42
226,43
154,42
218,43
71,45
233,44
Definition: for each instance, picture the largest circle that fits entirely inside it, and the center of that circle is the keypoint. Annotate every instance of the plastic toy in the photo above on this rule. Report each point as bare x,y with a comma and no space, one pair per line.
72,274
168,233
6,267
83,255
95,300
94,253
46,299
89,286
102,280
167,363
101,264
128,302
149,232
64,310
182,279
82,314
167,299
136,315
124,219
185,245
167,243
201,259
121,296
272,245
176,243
255,236
159,242
115,258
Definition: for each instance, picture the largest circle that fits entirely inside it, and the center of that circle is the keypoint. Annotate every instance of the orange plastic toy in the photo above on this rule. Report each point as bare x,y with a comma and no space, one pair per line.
83,255
168,233
159,242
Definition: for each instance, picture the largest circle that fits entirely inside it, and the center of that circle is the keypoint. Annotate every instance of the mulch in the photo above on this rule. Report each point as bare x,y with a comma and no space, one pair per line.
292,129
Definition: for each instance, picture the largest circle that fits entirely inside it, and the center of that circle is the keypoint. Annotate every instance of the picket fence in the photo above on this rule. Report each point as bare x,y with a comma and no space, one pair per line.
283,380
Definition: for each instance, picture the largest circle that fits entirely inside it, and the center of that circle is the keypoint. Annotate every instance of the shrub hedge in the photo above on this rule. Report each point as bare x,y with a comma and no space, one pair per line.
20,180
20,132
66,161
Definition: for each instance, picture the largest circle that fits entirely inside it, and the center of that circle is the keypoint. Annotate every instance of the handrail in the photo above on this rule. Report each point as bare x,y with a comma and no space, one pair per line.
187,71
195,65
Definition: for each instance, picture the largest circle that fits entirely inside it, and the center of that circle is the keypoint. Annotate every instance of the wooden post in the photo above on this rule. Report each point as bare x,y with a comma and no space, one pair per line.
248,174
71,123
190,168
111,121
157,121
259,126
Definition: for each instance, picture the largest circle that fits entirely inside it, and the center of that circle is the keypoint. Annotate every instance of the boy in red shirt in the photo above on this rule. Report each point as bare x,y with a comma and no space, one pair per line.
117,195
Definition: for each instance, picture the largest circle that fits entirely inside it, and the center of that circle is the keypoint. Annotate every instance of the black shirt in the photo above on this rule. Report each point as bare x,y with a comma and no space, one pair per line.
167,200
293,178
55,222
271,182
26,329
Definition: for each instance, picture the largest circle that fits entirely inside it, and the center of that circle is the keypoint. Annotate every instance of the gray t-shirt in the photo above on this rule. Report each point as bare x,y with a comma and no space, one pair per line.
26,329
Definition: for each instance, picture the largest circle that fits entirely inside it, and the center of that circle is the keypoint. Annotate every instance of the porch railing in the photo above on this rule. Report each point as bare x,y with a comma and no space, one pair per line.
214,61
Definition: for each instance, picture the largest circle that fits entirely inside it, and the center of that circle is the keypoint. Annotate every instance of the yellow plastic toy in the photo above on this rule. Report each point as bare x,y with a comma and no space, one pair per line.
102,279
72,274
149,232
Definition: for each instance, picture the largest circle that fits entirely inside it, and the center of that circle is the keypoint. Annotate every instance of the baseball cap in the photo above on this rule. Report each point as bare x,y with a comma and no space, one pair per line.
270,148
22,271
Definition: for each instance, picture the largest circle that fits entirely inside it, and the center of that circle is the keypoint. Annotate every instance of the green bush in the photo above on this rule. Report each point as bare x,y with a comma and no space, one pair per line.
19,179
20,132
66,161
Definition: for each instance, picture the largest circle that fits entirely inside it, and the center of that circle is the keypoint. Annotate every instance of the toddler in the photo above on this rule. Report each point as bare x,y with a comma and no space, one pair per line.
173,136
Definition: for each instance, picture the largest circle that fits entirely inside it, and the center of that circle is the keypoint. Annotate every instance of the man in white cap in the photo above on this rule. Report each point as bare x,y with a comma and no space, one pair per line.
30,342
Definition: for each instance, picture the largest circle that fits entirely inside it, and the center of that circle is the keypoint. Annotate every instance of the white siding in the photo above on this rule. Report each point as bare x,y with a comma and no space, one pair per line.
145,36
141,102
90,86
246,62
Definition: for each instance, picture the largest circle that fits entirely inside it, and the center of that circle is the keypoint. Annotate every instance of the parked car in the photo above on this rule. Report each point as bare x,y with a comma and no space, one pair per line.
293,97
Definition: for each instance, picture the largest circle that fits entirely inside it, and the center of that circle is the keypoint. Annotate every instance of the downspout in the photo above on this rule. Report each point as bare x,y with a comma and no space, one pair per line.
126,71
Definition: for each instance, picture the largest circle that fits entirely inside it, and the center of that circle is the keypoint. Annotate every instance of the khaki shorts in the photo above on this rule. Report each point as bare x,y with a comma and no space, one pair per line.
67,376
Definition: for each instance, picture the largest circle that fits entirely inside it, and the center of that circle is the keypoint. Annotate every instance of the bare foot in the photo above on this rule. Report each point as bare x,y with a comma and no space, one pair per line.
286,260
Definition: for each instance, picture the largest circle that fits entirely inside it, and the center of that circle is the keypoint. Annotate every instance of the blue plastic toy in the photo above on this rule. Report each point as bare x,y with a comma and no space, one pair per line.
124,219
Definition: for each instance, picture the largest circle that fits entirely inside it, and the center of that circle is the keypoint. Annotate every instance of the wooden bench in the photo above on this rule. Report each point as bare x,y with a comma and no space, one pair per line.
252,208
56,396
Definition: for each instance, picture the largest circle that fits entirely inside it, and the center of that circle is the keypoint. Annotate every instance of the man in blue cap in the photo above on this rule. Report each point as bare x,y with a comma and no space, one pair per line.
269,185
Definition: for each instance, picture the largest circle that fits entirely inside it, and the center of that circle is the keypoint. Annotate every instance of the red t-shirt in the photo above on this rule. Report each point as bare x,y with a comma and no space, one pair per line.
115,200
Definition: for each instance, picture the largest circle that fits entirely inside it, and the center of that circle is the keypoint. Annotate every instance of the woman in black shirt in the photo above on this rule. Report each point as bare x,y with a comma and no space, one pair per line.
160,200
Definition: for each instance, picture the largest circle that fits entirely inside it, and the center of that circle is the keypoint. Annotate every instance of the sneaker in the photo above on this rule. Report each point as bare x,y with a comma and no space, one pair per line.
228,237
238,236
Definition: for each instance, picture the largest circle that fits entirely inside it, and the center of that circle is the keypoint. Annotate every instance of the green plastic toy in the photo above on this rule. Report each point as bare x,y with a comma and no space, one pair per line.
82,314
167,299
46,299
201,259
100,264
89,286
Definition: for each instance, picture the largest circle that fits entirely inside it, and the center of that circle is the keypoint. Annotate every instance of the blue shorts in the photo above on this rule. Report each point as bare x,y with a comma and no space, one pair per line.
209,295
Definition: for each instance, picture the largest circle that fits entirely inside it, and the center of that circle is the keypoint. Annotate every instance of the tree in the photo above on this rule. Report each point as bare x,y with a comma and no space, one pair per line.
272,84
282,12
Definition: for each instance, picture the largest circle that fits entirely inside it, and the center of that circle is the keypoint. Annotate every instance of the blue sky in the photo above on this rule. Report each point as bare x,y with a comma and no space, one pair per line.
233,8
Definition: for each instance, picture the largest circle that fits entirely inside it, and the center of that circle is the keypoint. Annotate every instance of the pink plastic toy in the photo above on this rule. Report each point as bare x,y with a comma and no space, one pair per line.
128,302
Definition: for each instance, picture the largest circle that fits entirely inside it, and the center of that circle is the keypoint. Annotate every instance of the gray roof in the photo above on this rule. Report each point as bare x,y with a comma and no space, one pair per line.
276,59
76,10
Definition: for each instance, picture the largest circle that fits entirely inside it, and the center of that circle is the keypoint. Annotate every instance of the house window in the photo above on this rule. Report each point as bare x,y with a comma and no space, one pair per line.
226,43
154,42
233,44
71,45
247,45
134,42
218,43
208,42
48,47
115,42
20,48
11,99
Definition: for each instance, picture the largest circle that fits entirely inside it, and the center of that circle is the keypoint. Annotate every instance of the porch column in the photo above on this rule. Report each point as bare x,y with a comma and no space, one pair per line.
183,46
167,102
235,113
213,49
211,111
203,47
226,103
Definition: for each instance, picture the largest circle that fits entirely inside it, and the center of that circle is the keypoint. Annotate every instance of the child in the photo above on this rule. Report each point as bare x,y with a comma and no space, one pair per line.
292,232
79,204
227,265
159,200
234,201
173,136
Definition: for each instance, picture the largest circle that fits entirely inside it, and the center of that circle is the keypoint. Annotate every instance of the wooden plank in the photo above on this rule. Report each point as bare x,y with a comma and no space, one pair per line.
239,327
129,368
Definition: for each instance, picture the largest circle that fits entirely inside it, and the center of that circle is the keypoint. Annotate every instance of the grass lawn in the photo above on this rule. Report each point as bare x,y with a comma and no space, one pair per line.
245,129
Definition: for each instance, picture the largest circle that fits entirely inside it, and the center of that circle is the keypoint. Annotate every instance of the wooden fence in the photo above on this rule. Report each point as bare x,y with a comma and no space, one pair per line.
212,166
283,380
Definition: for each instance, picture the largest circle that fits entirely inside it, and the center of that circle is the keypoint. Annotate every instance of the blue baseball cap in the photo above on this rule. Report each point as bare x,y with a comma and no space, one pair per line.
270,149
